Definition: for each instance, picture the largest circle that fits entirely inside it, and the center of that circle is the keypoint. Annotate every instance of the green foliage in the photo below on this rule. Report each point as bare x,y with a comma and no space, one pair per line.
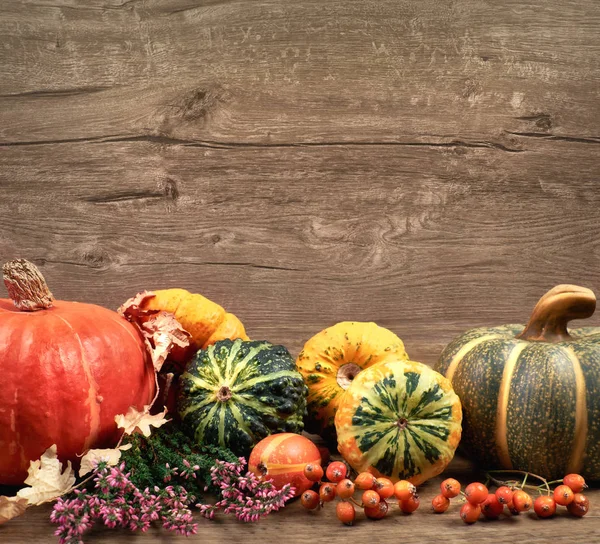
147,460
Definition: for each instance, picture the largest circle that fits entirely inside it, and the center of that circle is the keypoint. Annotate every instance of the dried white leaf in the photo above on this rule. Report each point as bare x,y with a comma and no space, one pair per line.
46,479
111,456
11,507
140,422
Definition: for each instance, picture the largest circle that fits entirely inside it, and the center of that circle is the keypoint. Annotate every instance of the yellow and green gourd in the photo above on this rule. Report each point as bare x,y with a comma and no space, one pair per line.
399,419
531,394
331,360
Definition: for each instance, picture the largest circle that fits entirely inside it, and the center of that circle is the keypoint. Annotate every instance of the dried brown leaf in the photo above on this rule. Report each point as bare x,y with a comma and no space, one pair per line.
132,307
46,479
164,332
140,422
161,330
11,507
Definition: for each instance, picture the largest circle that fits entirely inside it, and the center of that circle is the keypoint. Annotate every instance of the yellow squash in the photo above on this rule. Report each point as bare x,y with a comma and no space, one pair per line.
400,420
331,360
205,320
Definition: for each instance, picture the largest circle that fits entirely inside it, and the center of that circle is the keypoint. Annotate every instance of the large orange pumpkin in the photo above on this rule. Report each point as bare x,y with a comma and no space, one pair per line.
66,370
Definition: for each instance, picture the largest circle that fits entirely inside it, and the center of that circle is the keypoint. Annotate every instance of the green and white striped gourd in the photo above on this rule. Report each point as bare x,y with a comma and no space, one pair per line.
531,395
234,393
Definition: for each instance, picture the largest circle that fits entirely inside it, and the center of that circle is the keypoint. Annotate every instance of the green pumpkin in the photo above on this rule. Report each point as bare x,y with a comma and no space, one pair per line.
531,394
234,393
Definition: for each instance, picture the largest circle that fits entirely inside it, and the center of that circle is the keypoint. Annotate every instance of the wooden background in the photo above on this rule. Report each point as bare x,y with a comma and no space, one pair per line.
431,166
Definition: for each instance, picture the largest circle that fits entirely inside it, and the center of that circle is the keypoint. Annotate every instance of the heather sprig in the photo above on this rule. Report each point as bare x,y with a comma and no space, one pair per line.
160,478
164,457
115,501
244,494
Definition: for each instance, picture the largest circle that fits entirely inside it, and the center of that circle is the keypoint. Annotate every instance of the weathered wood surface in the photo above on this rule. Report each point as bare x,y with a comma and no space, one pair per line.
428,165
295,524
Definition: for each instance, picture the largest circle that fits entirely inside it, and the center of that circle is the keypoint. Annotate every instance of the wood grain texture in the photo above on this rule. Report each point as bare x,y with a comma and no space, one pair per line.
431,166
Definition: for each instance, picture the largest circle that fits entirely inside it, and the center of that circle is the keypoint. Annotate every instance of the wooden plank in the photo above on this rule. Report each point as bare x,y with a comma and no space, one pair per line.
279,72
293,239
431,166
299,525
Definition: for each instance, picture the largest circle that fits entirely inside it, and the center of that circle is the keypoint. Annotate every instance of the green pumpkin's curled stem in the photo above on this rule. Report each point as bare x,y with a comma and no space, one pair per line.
563,303
26,286
498,482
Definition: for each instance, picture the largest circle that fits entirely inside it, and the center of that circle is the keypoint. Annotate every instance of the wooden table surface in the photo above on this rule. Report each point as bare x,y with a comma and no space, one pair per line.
295,524
431,166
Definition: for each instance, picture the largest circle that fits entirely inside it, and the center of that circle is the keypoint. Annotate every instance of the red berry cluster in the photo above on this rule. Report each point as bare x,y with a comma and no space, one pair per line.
374,498
480,501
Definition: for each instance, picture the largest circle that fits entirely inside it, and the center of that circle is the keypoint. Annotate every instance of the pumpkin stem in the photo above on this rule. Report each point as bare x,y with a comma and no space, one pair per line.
548,321
26,286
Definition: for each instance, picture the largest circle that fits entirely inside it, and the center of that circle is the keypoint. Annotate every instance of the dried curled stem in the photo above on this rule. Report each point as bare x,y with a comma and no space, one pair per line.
26,286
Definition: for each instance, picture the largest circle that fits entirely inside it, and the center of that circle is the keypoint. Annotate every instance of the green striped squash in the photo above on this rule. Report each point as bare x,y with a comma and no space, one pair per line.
531,394
235,393
399,419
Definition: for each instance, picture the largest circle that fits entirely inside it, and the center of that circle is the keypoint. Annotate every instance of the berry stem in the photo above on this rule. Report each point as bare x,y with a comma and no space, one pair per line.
526,474
359,504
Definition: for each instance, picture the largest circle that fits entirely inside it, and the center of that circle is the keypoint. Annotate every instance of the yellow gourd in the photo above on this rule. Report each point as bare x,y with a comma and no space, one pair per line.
205,320
331,359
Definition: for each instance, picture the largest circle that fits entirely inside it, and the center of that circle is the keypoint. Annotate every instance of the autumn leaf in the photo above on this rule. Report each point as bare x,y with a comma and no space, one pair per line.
131,307
11,507
160,330
46,479
164,332
111,456
140,422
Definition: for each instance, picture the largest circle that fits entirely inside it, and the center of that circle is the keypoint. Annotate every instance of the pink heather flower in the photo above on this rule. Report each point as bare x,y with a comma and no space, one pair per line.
244,495
121,505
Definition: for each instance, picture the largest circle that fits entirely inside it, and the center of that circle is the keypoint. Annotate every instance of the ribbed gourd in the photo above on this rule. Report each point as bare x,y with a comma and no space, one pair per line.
205,320
331,360
235,393
531,394
399,419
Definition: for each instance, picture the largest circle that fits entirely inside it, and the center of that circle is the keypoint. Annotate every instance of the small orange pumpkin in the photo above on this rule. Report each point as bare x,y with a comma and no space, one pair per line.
282,458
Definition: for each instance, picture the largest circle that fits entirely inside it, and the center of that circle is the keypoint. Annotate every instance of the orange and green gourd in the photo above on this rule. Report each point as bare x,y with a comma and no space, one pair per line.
531,394
205,320
400,420
331,360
